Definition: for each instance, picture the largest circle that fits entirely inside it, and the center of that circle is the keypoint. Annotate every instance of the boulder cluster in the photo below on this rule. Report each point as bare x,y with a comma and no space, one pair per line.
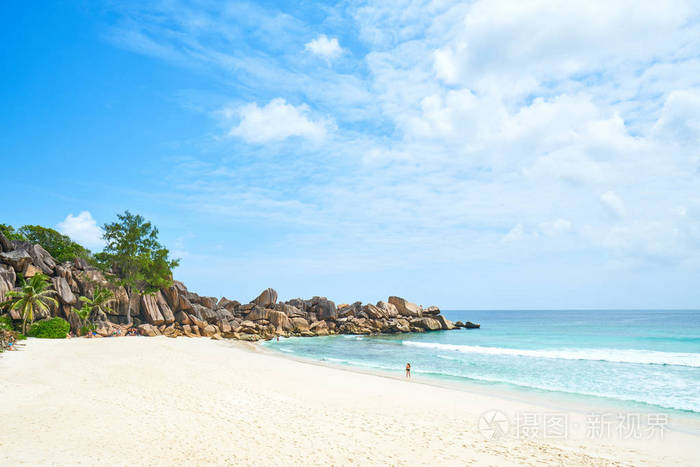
175,311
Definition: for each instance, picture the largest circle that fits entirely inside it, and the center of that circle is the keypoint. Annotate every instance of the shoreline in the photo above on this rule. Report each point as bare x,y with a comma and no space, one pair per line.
681,421
162,401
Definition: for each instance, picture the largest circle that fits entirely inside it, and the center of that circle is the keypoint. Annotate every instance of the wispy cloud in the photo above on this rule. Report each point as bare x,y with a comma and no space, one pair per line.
461,125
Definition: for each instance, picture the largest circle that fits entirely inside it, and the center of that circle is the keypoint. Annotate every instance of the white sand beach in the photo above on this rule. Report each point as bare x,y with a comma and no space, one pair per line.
161,401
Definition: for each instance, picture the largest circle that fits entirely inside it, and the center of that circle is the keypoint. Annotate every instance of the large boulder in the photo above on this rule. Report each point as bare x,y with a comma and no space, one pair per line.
197,321
280,320
374,312
389,309
182,318
209,302
120,305
266,299
289,310
80,263
230,305
42,259
428,324
224,326
300,324
5,287
90,279
5,243
72,318
324,308
356,326
164,308
18,259
31,271
346,311
172,297
148,330
297,303
400,325
319,328
150,310
258,313
446,324
63,291
199,311
209,315
8,273
406,308
431,310
176,296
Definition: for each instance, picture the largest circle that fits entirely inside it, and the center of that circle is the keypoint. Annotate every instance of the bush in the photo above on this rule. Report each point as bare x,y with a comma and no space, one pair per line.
53,328
6,323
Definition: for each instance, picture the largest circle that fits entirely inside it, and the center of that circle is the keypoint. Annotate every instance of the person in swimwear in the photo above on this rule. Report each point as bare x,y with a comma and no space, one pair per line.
408,370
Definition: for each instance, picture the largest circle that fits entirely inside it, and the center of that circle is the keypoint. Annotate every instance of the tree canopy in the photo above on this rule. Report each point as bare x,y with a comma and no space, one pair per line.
60,246
134,256
9,232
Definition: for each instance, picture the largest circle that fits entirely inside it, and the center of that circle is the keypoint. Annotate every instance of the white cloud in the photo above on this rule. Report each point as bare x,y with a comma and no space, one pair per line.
612,201
499,40
82,229
516,233
277,121
680,117
324,47
475,117
555,227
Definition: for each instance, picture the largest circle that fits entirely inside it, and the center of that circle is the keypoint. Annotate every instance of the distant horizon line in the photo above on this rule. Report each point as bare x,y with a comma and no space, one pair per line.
570,309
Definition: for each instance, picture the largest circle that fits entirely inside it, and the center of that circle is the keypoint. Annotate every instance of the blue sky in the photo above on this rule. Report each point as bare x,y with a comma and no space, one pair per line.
486,154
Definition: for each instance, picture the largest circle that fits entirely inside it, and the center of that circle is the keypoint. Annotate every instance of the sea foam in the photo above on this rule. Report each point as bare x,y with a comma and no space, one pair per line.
642,357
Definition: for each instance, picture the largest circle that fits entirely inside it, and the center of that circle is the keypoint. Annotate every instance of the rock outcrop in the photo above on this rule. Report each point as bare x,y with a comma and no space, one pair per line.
406,308
175,311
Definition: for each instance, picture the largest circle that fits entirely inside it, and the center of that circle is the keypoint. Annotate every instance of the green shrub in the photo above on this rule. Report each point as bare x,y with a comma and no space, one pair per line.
85,330
6,323
53,328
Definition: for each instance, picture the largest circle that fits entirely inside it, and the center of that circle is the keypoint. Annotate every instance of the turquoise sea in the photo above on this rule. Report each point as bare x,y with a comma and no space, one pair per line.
649,359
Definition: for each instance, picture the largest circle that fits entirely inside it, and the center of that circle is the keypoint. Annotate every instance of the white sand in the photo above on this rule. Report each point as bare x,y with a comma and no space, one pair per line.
160,401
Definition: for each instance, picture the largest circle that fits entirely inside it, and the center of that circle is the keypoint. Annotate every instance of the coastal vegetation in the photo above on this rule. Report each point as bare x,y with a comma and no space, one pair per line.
98,303
60,246
33,296
51,328
128,286
133,255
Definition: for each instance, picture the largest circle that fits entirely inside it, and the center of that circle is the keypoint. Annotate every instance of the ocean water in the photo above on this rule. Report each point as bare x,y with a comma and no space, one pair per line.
646,358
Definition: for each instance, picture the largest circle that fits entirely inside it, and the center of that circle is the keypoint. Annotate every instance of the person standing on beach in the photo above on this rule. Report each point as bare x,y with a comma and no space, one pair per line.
408,370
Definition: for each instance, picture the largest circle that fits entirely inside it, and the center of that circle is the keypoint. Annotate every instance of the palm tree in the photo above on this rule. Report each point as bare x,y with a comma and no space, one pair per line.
99,301
34,295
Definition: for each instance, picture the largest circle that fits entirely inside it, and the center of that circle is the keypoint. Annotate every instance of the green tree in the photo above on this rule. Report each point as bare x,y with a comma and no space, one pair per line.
10,232
101,298
134,256
34,295
60,246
